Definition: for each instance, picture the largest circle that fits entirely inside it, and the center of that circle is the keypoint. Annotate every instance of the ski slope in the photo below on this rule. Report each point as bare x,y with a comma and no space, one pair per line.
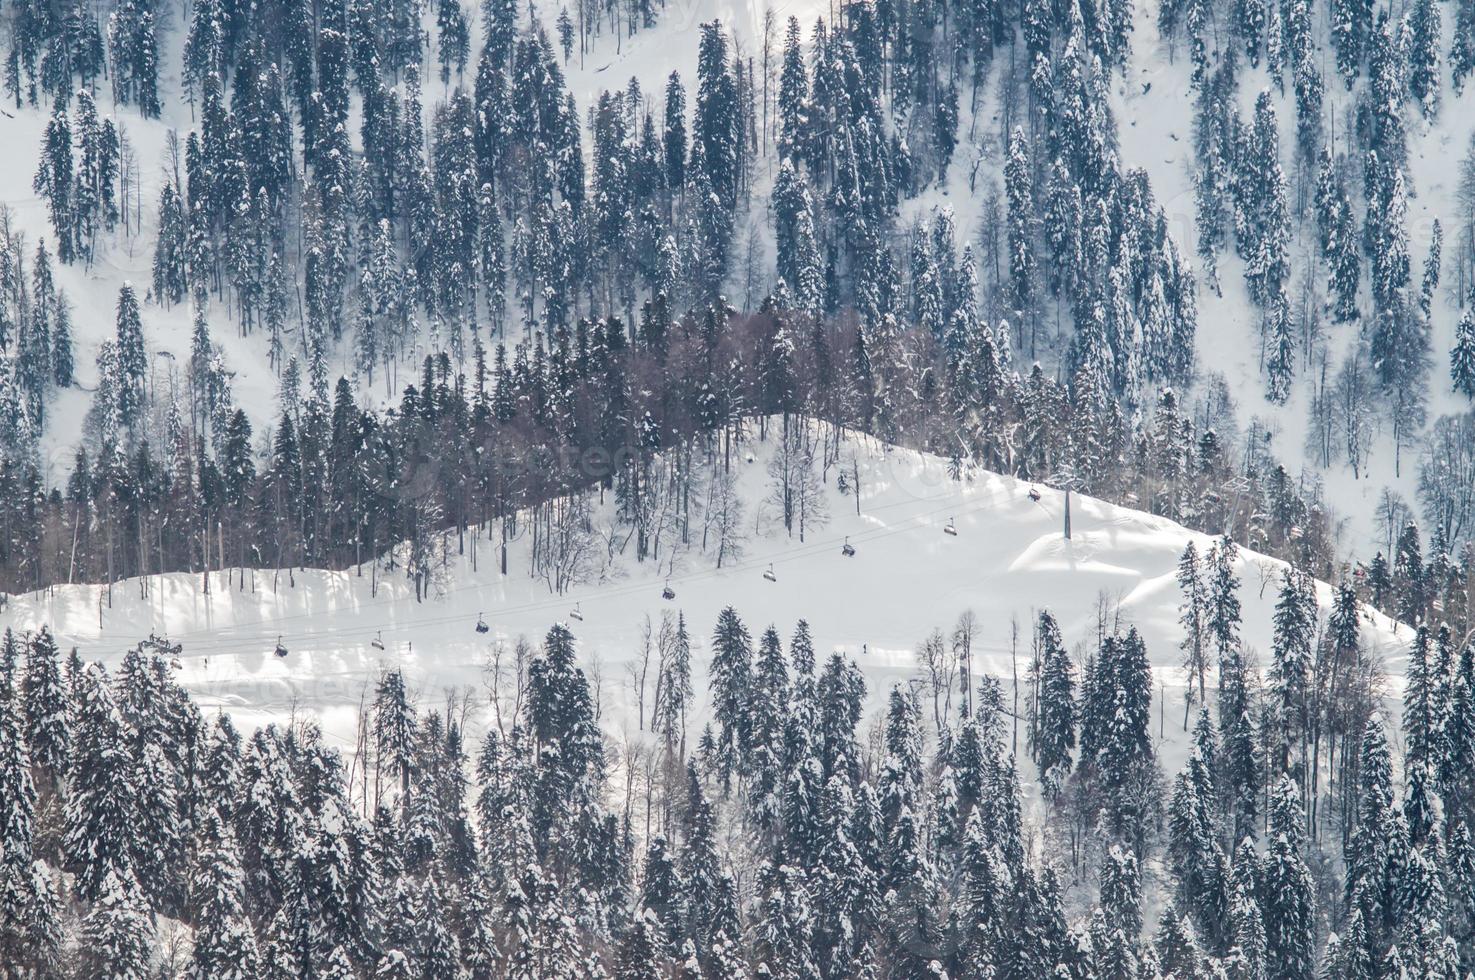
1008,560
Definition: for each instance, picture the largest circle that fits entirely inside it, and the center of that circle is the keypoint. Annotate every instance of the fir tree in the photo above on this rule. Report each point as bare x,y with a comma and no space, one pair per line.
1193,616
48,719
55,179
1287,890
731,691
117,934
101,808
1018,189
1056,734
1462,356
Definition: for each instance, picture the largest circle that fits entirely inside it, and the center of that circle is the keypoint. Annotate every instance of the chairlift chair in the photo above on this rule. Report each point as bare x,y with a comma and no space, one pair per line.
668,593
768,573
281,650
1034,494
847,549
481,624
378,641
950,528
575,613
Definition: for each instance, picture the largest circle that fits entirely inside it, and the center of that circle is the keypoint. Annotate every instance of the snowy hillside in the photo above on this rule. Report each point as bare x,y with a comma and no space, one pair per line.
1008,561
1153,102
578,491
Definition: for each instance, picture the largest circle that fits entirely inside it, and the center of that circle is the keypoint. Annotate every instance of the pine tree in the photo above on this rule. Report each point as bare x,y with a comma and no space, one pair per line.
1372,853
1423,55
1194,853
224,945
1017,185
1291,650
454,42
170,268
134,56
1432,261
900,782
769,710
47,716
1410,574
1462,356
117,934
1223,608
793,96
731,687
101,807
55,180
1352,24
636,957
1193,616
1118,920
1462,46
674,135
1281,366
715,123
61,344
1340,242
1248,952
132,359
1056,726
1423,707
1288,893
21,943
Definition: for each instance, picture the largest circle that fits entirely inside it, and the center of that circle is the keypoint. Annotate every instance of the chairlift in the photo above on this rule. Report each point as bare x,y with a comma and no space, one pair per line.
847,549
950,528
575,613
768,573
481,624
668,593
281,650
1034,494
378,641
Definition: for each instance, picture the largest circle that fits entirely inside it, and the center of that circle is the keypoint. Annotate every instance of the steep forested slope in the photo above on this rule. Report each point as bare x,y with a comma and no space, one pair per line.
338,325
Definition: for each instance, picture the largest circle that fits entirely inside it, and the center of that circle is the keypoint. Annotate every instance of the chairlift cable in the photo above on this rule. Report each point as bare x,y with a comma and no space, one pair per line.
225,640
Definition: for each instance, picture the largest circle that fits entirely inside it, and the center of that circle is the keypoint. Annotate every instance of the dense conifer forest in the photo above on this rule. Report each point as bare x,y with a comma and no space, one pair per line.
776,833
490,306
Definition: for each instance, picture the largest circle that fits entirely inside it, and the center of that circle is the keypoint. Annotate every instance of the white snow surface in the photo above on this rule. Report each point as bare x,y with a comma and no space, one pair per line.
1008,561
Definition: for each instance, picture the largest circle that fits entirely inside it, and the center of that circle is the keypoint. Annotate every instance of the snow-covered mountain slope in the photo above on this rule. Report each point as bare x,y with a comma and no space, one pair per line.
126,257
1008,560
1154,113
1155,108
